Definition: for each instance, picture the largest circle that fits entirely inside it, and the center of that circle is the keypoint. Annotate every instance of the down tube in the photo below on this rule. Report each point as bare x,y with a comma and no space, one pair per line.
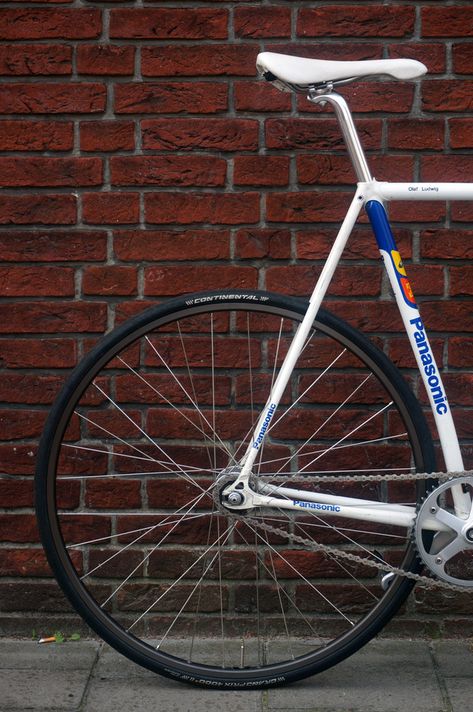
417,335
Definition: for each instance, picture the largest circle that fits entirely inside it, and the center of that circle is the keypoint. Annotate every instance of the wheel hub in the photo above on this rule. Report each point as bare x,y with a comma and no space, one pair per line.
444,540
238,499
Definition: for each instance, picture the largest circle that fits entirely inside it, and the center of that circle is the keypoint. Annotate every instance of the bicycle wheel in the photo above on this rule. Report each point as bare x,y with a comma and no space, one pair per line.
142,440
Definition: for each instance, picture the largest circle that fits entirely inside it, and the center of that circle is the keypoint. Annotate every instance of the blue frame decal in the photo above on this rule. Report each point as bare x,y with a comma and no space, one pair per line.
387,244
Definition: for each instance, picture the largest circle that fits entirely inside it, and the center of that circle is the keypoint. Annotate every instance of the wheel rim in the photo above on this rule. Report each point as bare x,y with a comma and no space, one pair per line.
160,542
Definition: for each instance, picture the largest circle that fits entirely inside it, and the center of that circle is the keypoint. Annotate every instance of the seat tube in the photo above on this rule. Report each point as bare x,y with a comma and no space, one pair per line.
416,332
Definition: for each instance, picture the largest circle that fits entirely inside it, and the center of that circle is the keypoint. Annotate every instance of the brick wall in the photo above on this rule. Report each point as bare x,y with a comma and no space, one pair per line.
140,158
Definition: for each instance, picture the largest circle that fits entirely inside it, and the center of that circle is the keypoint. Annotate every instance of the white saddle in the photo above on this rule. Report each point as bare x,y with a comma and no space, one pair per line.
300,73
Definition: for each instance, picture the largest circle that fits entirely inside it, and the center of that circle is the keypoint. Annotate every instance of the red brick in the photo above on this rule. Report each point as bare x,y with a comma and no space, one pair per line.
356,21
416,134
461,133
38,353
21,424
433,55
257,243
168,170
447,244
259,96
316,244
105,59
306,207
261,170
52,317
47,23
213,208
111,208
19,459
169,281
36,281
53,246
300,280
38,209
111,279
448,316
138,245
22,135
463,212
199,60
417,211
27,388
371,97
446,168
426,279
16,60
24,562
447,95
460,350
15,493
52,98
110,495
327,49
107,135
318,134
461,281
19,528
54,172
202,134
169,23
172,97
456,21
462,58
262,22
329,169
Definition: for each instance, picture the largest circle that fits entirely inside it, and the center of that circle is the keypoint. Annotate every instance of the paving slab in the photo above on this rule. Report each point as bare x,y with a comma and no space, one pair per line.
383,676
44,677
118,683
150,693
454,657
88,676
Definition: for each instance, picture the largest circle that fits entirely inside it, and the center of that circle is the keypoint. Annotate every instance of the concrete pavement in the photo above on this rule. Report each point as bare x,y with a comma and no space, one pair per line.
88,676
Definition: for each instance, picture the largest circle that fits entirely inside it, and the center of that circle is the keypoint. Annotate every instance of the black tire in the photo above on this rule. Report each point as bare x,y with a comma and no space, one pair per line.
111,460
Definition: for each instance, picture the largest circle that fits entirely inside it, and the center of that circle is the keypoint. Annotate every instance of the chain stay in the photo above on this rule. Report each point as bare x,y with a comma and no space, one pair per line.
421,580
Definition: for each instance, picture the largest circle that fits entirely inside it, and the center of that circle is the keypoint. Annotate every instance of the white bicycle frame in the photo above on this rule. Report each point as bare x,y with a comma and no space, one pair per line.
371,195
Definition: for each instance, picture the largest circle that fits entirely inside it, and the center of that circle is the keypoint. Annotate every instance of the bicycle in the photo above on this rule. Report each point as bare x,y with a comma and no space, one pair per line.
229,538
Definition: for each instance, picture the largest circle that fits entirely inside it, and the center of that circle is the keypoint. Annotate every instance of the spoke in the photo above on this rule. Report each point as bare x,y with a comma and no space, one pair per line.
199,583
311,585
339,563
152,550
359,443
281,590
148,437
151,473
327,525
191,381
348,435
191,400
129,531
327,420
255,420
314,382
174,584
116,437
178,410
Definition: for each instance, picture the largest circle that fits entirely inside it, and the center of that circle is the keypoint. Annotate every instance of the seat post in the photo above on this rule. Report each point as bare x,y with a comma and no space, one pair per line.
349,132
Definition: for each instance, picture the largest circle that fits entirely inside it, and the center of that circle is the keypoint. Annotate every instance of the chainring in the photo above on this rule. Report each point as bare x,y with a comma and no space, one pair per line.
444,540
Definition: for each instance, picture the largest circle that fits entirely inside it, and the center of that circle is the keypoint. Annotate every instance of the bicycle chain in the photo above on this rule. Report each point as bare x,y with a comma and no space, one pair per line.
420,579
